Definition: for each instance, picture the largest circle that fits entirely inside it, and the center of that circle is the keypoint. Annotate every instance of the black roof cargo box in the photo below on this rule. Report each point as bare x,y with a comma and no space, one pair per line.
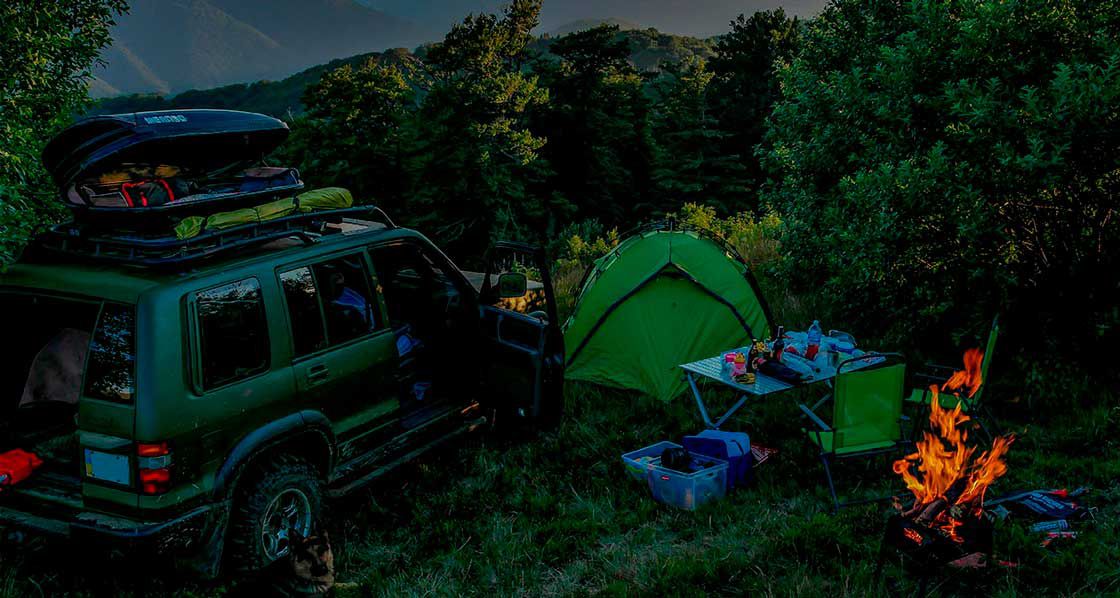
190,157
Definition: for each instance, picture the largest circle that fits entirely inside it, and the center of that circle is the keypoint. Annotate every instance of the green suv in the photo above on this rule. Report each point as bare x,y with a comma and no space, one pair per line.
210,404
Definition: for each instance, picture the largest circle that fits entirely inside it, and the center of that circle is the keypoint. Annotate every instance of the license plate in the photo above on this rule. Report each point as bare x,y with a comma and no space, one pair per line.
107,467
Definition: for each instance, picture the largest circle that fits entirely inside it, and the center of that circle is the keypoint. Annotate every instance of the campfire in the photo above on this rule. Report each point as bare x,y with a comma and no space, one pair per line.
946,522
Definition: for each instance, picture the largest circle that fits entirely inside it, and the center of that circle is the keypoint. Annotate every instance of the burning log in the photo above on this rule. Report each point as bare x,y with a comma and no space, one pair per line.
946,522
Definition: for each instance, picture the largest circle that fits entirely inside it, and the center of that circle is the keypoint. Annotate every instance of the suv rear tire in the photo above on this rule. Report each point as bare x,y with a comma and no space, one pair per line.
282,494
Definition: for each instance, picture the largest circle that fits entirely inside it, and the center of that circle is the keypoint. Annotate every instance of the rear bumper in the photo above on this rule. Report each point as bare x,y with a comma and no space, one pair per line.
177,534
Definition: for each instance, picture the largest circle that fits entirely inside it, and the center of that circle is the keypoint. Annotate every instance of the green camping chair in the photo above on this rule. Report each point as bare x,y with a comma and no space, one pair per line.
933,374
866,414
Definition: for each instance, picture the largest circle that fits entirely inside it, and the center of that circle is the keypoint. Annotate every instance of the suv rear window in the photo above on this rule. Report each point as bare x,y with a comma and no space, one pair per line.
62,340
112,354
233,342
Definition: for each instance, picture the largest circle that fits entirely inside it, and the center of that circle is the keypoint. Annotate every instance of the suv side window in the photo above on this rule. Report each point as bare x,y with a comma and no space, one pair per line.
414,287
233,333
112,356
348,303
304,311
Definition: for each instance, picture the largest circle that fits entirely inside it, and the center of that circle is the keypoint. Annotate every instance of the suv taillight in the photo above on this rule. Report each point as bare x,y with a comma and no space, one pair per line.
154,462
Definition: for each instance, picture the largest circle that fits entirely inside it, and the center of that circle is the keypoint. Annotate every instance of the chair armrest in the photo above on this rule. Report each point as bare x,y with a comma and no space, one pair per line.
931,377
939,370
816,420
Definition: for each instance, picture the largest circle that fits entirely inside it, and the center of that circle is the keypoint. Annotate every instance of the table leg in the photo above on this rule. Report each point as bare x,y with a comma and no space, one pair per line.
699,400
730,412
704,410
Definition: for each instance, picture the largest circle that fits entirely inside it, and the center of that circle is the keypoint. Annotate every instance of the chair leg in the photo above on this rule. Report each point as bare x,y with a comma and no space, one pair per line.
831,485
986,413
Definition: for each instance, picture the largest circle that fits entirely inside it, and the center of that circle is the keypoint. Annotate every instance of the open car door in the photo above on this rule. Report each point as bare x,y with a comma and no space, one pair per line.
524,377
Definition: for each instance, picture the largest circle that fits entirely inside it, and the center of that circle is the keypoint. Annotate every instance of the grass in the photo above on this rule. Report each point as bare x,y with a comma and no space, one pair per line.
556,517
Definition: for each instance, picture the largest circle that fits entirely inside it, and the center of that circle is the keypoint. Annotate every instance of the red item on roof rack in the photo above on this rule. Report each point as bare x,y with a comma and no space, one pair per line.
16,466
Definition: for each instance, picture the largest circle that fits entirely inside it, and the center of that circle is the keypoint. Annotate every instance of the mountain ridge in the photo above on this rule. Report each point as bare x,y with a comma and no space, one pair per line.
169,46
649,50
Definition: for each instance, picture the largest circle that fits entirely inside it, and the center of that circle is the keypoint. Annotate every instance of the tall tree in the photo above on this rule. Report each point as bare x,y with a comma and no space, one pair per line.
597,122
745,88
47,53
690,165
476,158
355,132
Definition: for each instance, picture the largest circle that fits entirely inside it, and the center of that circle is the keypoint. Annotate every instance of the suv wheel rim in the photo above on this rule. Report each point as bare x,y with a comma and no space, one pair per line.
290,510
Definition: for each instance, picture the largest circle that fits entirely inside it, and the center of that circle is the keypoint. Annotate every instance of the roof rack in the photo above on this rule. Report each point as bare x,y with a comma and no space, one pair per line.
72,240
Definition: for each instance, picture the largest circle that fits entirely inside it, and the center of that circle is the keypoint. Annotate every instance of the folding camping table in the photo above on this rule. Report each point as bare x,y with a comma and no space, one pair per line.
764,385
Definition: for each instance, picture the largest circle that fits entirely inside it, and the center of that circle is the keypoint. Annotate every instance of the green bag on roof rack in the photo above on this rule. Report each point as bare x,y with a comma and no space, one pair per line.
327,198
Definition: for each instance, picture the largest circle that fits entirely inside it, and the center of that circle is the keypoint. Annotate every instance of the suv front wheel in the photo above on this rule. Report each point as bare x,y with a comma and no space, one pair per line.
281,496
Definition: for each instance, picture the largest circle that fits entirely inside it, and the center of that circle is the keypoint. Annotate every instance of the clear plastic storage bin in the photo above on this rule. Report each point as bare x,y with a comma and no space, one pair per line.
707,482
638,462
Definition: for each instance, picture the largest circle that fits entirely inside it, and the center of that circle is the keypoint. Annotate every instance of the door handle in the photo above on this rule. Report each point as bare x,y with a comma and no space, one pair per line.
317,374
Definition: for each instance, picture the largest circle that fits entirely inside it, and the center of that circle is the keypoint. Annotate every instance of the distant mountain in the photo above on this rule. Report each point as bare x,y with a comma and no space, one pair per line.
278,98
585,24
166,46
650,49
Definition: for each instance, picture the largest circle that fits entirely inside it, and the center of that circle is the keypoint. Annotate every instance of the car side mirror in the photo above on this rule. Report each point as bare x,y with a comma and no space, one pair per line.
512,285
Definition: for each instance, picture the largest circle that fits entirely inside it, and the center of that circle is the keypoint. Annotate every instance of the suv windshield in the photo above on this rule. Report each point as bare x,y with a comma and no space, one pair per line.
58,338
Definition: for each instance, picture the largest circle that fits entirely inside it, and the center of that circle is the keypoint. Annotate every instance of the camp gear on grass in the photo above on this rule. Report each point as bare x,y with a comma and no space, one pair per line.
704,480
17,465
664,296
974,406
637,462
866,413
763,385
733,447
676,458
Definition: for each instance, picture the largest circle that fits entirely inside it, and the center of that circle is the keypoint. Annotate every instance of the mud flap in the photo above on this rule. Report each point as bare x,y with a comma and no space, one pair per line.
205,560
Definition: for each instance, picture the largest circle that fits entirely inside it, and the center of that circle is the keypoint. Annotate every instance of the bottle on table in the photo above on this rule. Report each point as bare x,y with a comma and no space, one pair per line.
779,344
814,340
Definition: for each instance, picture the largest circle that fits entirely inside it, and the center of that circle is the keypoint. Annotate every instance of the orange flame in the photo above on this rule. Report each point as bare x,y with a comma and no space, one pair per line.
969,377
948,471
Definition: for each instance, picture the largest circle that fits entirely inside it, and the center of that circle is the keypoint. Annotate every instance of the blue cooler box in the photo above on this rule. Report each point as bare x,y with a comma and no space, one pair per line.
707,482
733,447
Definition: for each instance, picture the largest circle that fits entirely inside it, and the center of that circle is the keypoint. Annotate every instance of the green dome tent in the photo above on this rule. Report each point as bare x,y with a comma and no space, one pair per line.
663,297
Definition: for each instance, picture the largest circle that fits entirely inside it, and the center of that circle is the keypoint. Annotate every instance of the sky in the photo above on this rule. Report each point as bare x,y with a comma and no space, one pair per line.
701,18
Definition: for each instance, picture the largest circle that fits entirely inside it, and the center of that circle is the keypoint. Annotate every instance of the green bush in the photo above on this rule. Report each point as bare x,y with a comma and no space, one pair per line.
755,238
48,50
939,161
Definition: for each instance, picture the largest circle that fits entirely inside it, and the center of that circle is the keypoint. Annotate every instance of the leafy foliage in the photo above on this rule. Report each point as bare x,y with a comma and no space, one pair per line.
937,162
742,92
47,50
690,164
476,156
754,238
353,135
600,148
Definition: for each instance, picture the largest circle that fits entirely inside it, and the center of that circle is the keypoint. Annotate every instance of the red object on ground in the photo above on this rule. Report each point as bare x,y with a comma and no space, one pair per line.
16,466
